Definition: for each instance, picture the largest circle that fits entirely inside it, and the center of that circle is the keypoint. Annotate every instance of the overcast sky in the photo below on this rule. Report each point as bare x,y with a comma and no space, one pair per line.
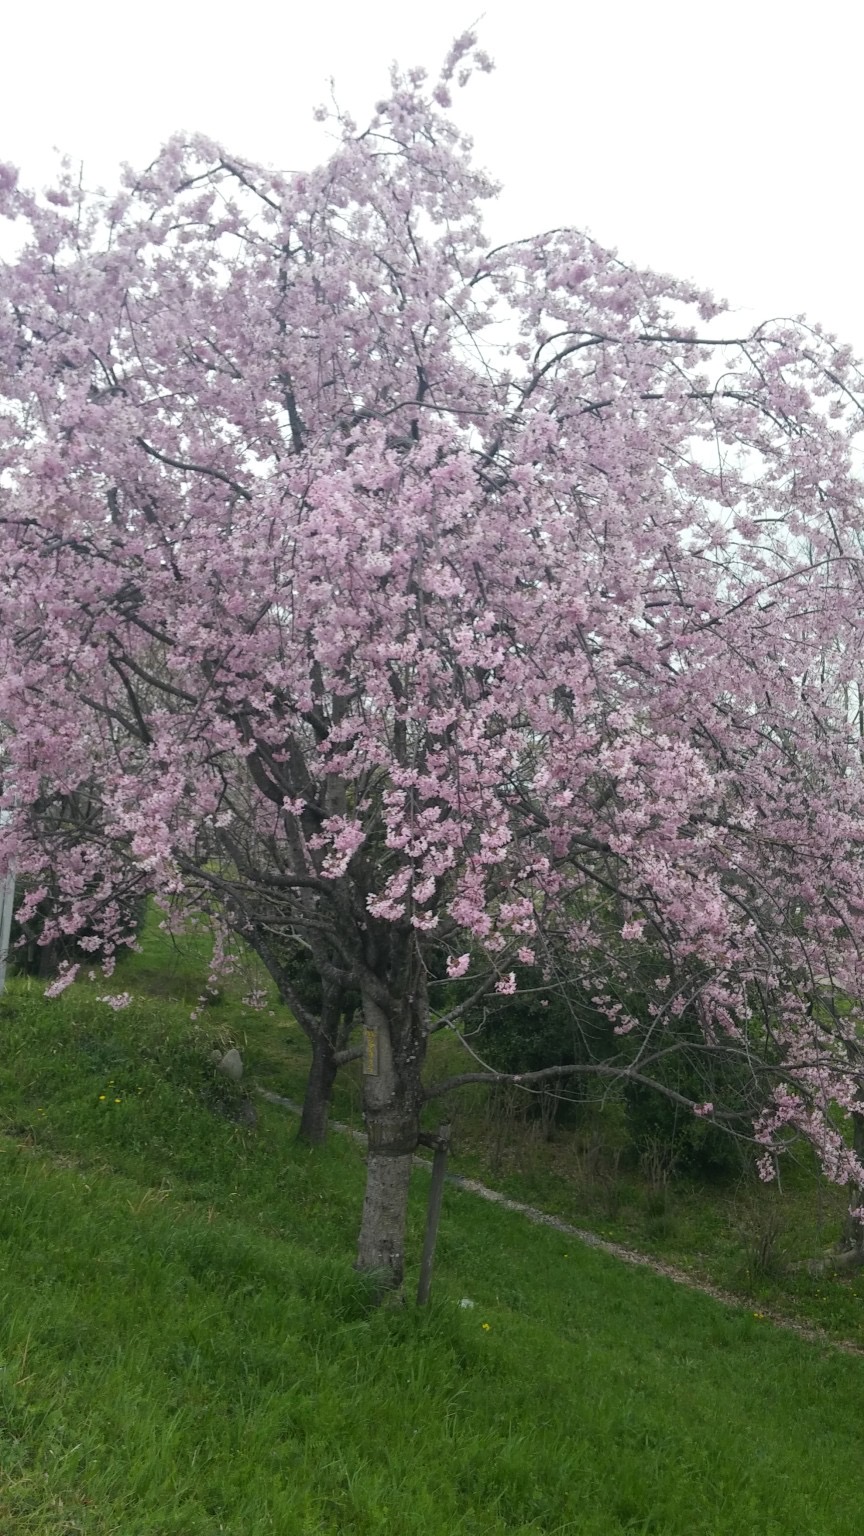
717,142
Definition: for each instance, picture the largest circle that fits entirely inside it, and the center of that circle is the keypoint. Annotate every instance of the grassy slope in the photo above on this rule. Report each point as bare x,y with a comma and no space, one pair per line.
742,1235
184,1347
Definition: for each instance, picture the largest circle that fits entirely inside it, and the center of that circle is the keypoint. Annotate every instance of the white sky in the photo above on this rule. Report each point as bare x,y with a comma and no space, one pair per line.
721,142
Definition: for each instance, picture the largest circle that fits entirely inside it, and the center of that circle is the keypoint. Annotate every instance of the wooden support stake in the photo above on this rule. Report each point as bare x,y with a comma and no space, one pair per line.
433,1216
7,904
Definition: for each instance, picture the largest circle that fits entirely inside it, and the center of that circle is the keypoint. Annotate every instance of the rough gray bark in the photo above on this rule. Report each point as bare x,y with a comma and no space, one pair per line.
392,1096
381,1244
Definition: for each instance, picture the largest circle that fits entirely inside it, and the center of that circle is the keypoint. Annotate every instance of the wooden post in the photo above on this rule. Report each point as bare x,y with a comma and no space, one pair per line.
441,1143
7,903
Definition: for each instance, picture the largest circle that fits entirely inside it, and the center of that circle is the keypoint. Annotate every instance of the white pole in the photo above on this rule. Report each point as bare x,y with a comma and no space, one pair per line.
7,903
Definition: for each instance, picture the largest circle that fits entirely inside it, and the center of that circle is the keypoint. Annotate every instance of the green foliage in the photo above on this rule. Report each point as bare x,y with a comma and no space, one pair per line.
692,1145
541,1026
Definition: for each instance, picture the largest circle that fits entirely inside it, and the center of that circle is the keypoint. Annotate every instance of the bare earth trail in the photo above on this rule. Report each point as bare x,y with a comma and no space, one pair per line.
591,1240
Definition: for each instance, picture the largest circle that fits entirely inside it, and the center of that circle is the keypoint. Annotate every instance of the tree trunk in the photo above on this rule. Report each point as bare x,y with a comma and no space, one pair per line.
319,1089
326,1034
391,1104
381,1245
852,1240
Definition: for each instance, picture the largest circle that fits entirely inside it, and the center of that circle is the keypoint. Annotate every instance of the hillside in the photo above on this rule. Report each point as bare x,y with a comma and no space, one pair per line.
186,1350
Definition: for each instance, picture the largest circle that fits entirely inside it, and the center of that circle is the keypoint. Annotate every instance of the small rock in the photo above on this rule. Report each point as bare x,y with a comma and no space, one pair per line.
231,1064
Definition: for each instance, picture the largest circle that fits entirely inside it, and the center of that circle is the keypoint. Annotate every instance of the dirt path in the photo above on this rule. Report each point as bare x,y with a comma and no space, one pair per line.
591,1240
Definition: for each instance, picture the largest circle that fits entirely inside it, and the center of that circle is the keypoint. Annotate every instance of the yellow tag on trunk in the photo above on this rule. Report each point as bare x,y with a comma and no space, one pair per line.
370,1053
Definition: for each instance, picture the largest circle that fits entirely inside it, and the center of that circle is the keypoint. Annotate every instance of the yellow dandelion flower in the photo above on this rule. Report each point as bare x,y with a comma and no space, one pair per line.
101,1096
485,1327
117,1101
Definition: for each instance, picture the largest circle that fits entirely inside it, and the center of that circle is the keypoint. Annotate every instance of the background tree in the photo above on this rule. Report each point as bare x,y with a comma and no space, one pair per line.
437,607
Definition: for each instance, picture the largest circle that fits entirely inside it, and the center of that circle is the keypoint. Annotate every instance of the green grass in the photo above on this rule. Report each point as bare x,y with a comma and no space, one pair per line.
185,1347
